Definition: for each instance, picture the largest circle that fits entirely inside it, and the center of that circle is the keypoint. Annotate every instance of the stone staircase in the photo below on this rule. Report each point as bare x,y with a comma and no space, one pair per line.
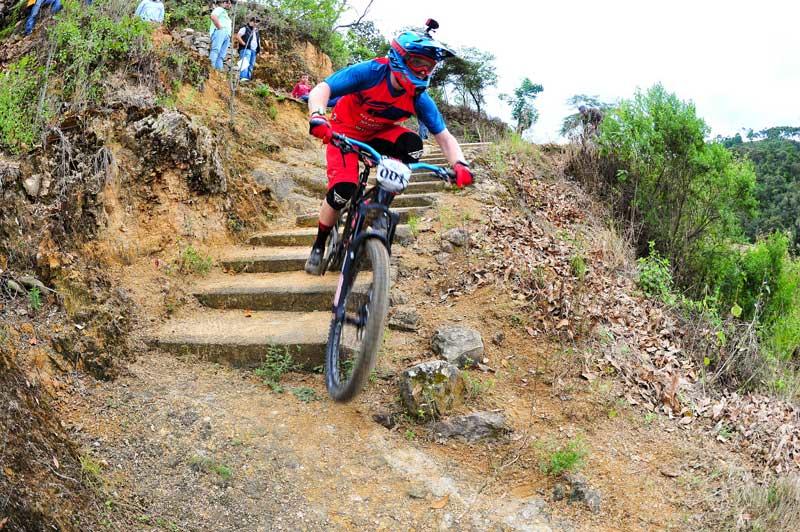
261,298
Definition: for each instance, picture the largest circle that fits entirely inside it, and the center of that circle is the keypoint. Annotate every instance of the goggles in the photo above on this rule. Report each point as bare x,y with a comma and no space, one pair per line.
421,65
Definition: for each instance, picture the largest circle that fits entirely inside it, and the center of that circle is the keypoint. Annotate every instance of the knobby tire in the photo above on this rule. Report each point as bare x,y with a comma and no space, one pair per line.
343,388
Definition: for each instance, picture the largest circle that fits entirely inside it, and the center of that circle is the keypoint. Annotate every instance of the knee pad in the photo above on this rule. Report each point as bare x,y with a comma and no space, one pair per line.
339,194
407,147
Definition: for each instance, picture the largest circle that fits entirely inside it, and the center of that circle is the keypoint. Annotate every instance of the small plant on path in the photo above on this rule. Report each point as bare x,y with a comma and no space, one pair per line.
35,298
277,362
305,394
192,261
204,463
564,459
413,225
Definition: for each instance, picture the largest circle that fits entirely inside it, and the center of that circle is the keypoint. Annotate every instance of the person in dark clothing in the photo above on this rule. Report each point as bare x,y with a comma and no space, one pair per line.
249,47
591,118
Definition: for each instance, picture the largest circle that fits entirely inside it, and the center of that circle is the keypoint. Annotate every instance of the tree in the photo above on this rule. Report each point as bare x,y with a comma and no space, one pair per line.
521,102
777,164
365,42
467,76
674,188
572,123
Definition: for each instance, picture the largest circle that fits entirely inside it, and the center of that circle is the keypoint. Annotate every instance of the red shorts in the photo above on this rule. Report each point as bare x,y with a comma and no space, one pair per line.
343,168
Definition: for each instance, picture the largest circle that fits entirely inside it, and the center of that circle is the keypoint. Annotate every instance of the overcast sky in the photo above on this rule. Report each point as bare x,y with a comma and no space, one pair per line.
739,61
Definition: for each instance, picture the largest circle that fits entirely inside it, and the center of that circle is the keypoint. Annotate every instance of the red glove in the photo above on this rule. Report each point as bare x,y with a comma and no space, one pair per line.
463,174
319,126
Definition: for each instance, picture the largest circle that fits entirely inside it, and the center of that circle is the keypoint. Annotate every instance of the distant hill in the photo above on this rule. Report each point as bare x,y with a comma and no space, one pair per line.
775,152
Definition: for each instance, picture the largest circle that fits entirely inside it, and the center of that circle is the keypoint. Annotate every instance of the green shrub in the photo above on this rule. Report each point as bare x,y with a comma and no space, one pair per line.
179,66
655,275
20,84
564,459
263,91
192,261
181,14
671,186
89,40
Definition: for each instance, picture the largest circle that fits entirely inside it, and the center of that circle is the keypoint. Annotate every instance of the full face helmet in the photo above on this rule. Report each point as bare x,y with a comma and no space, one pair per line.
413,57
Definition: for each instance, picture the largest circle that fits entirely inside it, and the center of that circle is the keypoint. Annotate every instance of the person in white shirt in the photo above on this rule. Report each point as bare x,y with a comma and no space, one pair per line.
220,30
249,46
150,11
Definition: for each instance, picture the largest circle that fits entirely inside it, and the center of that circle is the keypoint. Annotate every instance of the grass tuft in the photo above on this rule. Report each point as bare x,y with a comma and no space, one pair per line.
565,459
277,362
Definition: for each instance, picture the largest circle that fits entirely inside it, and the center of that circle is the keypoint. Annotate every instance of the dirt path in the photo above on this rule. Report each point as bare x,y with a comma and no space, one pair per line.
211,448
185,441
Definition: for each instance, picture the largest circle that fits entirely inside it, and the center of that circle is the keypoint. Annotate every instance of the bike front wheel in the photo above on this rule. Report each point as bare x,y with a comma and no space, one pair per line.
359,318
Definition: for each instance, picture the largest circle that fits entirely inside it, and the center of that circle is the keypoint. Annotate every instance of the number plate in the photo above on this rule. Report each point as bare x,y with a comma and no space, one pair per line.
393,175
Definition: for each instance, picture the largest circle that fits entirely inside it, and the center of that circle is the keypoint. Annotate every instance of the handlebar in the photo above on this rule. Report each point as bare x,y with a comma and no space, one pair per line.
368,152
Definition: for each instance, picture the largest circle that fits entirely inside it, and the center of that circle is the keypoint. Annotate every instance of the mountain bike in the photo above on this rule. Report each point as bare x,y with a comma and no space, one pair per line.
362,253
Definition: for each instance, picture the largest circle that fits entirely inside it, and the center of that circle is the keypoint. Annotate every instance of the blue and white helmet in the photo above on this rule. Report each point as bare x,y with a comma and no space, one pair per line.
413,57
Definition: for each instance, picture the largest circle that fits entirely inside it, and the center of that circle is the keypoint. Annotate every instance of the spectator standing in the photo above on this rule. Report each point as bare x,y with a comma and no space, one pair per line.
591,119
55,7
220,29
151,11
249,47
302,88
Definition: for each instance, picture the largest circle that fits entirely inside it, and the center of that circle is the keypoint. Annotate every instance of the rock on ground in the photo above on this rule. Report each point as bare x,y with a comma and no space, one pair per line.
578,491
404,319
472,427
9,172
431,389
457,236
462,346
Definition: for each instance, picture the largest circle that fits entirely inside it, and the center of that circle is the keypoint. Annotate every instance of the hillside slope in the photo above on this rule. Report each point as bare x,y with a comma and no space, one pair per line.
153,207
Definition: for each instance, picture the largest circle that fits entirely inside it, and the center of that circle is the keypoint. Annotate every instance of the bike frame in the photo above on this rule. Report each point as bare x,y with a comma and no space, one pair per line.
363,201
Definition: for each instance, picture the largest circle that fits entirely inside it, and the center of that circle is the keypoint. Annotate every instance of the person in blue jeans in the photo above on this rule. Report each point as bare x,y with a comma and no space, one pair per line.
220,29
249,47
55,7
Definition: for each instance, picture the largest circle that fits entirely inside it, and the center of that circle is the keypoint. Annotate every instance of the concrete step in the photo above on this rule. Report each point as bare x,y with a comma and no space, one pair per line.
419,187
305,236
424,175
282,259
413,200
439,161
289,291
266,260
311,220
228,336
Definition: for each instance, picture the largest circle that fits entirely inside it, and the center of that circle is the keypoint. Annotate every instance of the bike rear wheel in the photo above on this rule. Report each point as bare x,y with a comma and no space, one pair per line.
355,336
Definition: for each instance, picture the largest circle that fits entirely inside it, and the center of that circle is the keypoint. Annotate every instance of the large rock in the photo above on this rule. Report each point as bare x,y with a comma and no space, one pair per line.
472,427
431,389
173,138
462,346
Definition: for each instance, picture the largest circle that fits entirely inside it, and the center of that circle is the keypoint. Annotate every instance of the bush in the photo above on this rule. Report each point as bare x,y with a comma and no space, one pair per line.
655,276
19,93
90,39
686,195
186,14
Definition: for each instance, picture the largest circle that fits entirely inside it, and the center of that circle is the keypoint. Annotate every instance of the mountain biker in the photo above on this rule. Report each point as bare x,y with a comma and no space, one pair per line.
376,96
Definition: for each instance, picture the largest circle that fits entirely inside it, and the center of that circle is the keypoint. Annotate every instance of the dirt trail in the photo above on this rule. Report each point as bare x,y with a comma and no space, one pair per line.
206,447
189,444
